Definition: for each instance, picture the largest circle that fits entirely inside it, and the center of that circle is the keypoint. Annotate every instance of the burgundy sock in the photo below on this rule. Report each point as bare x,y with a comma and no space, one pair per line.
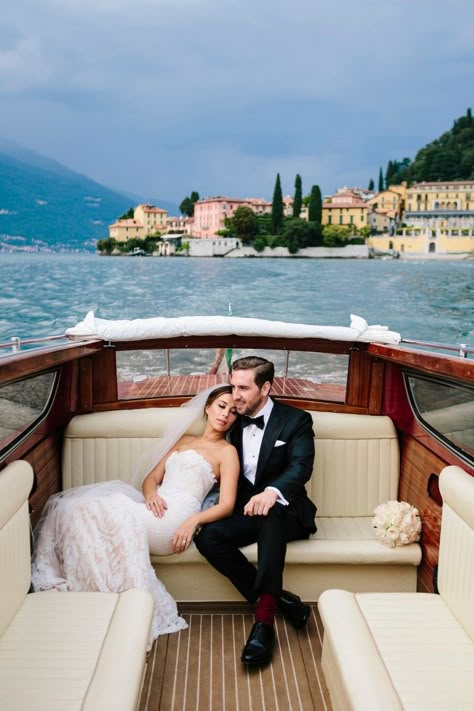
266,607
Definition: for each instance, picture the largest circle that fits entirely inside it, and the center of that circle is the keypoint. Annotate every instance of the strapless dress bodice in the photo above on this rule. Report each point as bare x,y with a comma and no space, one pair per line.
189,473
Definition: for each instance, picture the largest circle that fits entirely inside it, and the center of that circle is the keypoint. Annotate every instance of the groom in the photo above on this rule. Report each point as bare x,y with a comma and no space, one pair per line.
276,449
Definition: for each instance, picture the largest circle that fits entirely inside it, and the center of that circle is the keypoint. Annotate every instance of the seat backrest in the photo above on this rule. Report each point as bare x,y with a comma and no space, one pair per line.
15,563
356,465
456,551
103,446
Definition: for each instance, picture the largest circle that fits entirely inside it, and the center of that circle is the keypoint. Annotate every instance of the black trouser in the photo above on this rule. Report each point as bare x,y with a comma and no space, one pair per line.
220,541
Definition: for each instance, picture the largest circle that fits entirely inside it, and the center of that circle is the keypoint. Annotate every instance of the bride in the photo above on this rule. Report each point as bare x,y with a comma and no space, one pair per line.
99,537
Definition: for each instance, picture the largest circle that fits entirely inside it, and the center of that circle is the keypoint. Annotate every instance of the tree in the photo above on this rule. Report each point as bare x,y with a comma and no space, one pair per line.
129,215
264,224
106,245
277,207
315,207
297,201
244,224
380,181
302,233
336,235
371,185
187,207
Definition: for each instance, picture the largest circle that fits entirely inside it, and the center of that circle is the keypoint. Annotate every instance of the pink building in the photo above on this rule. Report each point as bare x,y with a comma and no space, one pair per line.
209,214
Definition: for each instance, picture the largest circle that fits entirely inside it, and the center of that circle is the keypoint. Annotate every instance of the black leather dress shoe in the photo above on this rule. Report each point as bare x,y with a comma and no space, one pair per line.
259,646
296,612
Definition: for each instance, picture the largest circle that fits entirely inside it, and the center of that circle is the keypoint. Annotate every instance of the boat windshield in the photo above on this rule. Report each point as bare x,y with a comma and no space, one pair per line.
165,373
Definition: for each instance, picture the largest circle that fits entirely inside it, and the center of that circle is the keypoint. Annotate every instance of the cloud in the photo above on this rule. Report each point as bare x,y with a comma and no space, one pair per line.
218,96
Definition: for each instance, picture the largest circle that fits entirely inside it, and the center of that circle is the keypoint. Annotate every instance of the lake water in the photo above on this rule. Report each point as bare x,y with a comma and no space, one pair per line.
43,294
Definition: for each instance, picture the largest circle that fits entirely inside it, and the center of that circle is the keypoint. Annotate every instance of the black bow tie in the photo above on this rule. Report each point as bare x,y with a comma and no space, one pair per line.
259,421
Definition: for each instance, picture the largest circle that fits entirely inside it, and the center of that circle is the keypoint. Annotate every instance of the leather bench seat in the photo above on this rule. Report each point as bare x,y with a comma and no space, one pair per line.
62,651
356,468
410,651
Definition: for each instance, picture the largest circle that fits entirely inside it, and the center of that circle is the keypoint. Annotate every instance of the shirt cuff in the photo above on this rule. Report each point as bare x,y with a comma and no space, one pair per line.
281,499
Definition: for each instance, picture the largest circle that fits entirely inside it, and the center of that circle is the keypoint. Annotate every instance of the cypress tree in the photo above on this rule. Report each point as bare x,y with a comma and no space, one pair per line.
380,181
371,185
315,206
298,199
277,207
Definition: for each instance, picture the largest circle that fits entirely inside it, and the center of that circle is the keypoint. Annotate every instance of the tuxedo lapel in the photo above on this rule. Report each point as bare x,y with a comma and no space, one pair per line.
235,437
272,430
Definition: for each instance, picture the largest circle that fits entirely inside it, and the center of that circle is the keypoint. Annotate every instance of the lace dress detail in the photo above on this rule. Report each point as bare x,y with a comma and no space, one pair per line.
99,537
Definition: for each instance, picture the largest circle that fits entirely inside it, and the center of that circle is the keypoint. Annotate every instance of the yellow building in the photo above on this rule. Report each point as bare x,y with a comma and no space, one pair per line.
345,208
147,220
123,230
152,218
390,202
438,219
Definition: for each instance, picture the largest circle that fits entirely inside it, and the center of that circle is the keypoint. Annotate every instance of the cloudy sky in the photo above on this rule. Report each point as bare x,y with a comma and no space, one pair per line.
162,97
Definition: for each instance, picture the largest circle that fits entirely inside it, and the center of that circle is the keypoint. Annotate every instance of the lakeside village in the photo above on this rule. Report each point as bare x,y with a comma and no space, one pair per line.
427,219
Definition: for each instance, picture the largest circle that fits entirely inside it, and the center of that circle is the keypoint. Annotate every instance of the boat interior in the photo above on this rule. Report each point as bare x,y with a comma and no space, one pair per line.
391,422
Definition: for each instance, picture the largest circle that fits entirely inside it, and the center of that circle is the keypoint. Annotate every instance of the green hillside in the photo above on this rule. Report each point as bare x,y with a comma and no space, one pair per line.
46,206
449,157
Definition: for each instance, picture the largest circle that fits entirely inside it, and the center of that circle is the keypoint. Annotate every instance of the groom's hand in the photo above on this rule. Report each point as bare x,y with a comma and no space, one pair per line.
260,504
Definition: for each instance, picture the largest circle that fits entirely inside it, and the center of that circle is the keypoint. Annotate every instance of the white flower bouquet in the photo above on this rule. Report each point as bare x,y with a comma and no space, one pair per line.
397,523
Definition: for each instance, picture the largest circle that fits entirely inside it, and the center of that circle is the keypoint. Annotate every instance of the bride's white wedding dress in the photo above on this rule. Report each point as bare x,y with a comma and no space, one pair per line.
99,537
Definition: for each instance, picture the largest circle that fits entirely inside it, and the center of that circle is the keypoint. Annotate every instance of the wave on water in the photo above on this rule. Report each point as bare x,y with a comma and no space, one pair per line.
425,300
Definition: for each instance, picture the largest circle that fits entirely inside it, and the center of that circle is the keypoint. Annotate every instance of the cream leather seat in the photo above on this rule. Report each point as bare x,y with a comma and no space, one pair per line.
62,651
409,650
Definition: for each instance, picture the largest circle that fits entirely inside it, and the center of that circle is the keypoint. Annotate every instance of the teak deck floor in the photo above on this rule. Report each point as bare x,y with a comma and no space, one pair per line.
184,385
200,668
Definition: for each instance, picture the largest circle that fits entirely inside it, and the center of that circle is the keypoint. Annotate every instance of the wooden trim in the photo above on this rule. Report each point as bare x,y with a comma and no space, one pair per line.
358,379
426,362
19,365
104,376
377,376
318,345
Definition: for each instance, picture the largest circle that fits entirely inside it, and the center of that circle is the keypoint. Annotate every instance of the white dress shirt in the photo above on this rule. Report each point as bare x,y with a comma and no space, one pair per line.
252,437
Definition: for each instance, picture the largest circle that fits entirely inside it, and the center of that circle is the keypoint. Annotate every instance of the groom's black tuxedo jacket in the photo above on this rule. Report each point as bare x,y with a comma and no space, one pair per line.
285,461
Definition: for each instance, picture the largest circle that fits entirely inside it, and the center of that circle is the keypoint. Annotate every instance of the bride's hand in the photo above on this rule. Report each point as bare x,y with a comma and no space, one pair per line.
183,537
156,504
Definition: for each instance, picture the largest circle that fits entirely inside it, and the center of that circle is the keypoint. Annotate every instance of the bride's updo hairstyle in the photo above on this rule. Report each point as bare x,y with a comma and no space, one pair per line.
214,394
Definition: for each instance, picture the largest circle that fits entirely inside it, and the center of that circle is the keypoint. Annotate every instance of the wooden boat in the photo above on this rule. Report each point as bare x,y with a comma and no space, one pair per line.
426,390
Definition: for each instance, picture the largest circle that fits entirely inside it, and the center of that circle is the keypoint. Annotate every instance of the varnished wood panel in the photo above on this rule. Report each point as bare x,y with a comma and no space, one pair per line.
17,366
104,376
417,465
377,374
85,395
46,463
426,362
358,378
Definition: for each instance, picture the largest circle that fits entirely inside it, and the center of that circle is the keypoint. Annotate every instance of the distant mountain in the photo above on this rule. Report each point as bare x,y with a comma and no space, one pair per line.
46,206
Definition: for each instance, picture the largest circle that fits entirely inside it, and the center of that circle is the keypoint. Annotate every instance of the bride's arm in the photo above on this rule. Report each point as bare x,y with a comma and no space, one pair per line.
153,501
229,470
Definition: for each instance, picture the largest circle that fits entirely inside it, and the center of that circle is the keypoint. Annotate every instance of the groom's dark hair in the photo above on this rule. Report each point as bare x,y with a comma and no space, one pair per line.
264,369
